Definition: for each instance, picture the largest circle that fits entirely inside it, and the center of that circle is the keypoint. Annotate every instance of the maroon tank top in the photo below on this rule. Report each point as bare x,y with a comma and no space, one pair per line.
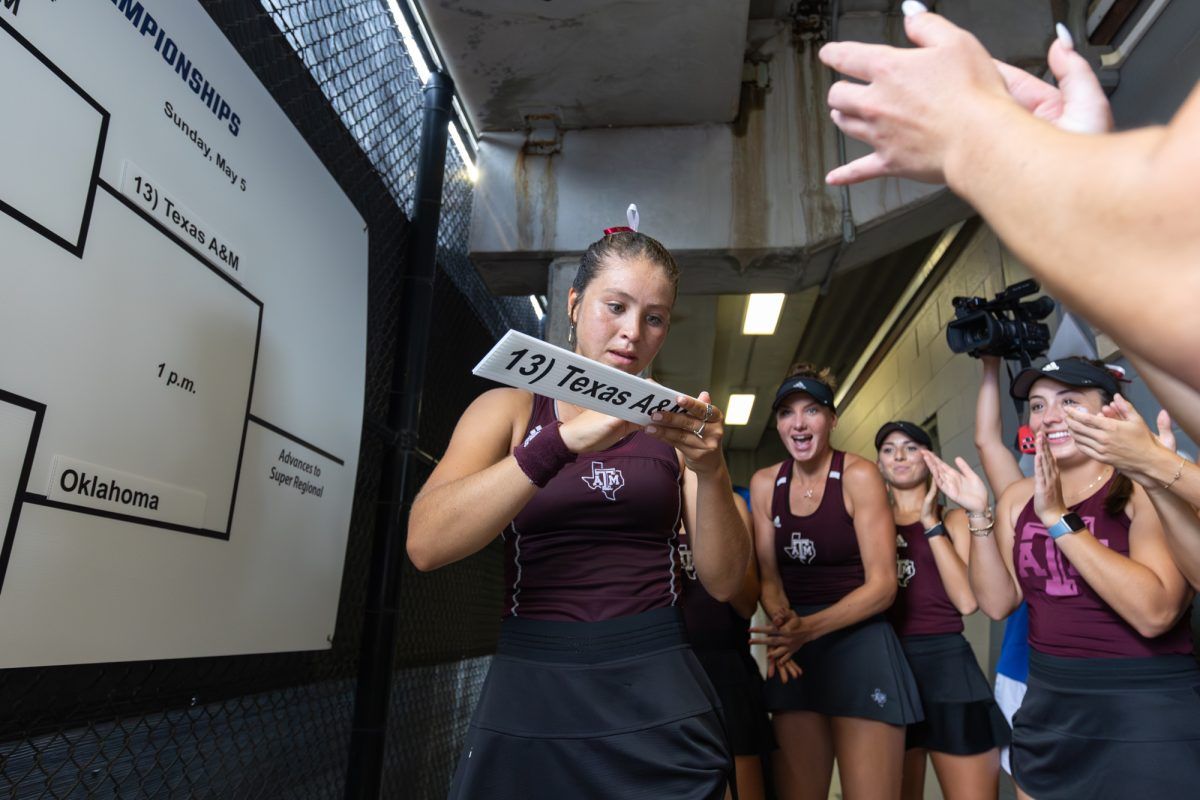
1066,616
711,624
599,541
817,555
922,607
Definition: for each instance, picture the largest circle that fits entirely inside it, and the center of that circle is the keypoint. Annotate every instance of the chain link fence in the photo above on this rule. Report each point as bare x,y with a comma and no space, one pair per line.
278,725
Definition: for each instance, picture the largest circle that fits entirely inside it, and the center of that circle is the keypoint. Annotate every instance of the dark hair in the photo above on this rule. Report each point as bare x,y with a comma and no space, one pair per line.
624,244
803,369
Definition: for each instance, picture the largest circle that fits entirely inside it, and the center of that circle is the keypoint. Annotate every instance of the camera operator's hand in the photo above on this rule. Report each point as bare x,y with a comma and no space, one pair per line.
1118,436
962,485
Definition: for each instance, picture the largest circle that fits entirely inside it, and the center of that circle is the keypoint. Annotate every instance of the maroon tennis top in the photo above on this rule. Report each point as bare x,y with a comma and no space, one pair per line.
922,607
817,555
601,539
711,624
1067,617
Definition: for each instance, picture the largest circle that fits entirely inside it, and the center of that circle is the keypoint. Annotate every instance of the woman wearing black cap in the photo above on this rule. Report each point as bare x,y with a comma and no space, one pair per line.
963,728
593,691
838,683
1113,705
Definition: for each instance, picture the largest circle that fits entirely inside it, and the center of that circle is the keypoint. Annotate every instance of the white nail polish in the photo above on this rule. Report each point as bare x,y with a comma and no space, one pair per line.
912,7
1064,36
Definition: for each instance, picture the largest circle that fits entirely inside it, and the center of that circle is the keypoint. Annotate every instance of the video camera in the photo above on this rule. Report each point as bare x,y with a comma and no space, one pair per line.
1005,326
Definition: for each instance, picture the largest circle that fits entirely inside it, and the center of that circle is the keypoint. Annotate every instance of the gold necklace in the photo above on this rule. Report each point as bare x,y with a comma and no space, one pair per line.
1086,489
808,493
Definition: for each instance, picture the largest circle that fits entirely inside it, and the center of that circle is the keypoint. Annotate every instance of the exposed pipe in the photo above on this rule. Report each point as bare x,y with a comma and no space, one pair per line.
398,480
848,230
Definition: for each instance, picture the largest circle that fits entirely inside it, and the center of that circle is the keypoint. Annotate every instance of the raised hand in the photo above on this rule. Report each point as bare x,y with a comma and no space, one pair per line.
1078,104
696,432
912,99
1119,437
1048,501
962,485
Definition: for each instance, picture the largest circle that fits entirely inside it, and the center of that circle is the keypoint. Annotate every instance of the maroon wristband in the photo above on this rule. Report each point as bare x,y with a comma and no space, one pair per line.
543,454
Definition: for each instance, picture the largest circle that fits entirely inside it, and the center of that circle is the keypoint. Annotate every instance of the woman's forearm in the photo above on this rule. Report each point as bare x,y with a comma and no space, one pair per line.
456,519
953,574
990,579
1132,589
720,543
1182,529
1107,207
873,597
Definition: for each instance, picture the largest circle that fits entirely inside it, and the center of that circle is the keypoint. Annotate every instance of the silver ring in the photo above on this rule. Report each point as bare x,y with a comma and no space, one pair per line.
707,413
700,431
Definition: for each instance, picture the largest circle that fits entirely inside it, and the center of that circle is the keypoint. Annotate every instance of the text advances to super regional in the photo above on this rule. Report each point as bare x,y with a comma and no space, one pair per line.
295,481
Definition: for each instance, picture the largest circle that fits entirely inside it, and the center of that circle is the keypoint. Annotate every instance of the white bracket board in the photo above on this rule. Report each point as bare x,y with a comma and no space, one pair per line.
183,294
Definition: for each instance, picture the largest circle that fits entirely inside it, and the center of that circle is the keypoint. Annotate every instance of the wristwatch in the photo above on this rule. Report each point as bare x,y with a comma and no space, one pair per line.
1070,523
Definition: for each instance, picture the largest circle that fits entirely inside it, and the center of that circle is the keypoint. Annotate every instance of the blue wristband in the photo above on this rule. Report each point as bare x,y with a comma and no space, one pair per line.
1070,523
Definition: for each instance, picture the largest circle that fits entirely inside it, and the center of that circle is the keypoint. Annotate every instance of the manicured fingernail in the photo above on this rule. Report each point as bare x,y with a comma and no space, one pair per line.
1064,36
911,8
656,417
650,429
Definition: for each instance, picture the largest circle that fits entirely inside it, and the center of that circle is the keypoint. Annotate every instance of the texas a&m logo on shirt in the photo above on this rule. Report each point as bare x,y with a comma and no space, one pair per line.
686,562
1040,561
801,549
605,479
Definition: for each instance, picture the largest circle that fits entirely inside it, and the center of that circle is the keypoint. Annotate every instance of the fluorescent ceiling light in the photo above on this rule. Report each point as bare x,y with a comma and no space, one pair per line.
537,307
738,410
409,37
472,170
424,70
762,314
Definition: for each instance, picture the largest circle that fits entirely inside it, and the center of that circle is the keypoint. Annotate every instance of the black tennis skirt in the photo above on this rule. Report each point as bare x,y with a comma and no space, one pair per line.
961,716
1109,728
619,708
859,671
739,685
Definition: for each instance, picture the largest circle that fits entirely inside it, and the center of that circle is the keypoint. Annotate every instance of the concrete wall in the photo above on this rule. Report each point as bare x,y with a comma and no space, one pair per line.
920,378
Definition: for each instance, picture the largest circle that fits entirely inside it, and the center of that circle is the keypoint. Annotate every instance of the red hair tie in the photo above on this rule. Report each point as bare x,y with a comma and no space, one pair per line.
631,216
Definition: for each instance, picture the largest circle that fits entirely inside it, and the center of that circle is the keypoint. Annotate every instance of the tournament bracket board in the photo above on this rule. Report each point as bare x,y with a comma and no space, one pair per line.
182,346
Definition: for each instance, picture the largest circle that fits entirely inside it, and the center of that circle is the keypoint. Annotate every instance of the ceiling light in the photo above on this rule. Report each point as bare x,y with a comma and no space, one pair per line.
762,314
738,410
464,154
424,69
537,306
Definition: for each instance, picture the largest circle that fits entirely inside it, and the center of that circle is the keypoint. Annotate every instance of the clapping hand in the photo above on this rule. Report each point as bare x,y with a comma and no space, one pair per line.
959,483
1117,436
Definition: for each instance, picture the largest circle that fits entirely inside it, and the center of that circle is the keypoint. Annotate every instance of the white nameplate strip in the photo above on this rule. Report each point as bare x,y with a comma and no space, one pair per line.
527,363
181,221
105,489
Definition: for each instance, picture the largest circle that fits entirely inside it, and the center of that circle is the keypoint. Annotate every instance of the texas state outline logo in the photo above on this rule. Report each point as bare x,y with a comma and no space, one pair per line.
608,480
